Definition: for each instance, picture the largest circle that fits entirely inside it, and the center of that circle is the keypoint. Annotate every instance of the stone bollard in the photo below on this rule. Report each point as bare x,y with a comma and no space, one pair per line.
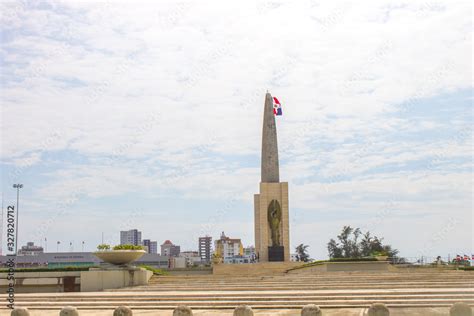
20,311
182,311
460,309
123,311
243,310
378,309
311,310
69,311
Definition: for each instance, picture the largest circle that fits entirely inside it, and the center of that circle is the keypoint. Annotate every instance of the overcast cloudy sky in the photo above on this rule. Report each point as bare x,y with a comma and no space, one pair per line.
119,115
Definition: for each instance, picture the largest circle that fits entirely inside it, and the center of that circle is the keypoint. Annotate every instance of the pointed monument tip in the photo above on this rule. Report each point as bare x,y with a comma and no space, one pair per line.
270,165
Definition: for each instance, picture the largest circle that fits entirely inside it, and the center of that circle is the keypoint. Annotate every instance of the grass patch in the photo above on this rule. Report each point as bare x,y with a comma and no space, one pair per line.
154,270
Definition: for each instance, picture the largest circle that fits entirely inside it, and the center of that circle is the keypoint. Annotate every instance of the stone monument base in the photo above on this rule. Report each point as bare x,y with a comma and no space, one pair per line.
263,232
102,279
276,253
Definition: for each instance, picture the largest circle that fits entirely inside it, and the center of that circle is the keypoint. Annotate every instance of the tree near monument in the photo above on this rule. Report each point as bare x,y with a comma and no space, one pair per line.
350,245
302,253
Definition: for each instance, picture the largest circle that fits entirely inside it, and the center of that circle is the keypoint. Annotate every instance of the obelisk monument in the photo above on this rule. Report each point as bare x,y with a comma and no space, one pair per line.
272,235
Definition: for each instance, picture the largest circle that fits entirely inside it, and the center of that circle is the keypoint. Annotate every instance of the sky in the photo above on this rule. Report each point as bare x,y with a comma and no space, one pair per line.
148,115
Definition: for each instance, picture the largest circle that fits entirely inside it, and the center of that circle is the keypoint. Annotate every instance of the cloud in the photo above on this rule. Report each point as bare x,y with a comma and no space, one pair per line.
166,99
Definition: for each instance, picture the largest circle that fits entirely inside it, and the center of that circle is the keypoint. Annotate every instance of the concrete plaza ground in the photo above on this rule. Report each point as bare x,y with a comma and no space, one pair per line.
437,311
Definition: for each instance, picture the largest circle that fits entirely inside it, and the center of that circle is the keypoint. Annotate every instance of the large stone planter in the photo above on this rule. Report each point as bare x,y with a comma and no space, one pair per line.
119,257
113,278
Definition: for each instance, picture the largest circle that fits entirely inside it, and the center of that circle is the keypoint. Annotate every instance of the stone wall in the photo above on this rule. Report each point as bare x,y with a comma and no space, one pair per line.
43,282
261,268
363,266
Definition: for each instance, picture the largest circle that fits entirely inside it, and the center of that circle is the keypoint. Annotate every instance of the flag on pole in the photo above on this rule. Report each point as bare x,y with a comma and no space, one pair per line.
277,107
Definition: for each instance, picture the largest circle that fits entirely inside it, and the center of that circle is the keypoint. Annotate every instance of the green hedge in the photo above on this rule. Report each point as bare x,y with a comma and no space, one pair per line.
128,247
351,259
466,268
63,269
321,262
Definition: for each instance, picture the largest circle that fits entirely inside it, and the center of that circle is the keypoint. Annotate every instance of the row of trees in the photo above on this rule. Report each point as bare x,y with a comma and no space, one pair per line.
351,243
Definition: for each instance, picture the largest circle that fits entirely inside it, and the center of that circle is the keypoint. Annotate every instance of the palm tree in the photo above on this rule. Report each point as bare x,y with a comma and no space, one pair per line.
302,253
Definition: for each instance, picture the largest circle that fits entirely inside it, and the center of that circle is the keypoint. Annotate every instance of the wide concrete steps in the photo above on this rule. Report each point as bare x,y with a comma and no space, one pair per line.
284,291
106,305
259,300
314,283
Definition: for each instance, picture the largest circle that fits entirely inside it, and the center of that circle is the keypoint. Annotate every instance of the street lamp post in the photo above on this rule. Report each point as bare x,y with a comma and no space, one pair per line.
17,186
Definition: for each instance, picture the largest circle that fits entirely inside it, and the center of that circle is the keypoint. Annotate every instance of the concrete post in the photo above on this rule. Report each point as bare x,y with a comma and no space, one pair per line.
378,309
243,310
182,311
69,311
20,311
460,309
311,310
123,311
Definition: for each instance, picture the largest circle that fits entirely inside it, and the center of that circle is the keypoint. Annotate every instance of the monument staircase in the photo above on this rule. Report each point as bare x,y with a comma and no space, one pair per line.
408,289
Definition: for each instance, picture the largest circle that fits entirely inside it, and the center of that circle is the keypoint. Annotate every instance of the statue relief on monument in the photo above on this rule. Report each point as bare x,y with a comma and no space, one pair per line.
274,220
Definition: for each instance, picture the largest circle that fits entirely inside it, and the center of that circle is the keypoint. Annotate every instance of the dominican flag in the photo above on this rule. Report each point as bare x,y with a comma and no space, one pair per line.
276,107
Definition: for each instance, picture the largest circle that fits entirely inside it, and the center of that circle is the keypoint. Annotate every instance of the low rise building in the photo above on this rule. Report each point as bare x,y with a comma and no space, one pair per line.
227,248
238,259
192,258
178,263
30,249
249,251
170,249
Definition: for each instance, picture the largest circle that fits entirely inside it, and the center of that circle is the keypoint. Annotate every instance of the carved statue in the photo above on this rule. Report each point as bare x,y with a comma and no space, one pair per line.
274,220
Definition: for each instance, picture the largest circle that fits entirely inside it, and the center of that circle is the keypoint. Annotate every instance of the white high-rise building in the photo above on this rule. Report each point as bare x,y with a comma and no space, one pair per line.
151,246
131,237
